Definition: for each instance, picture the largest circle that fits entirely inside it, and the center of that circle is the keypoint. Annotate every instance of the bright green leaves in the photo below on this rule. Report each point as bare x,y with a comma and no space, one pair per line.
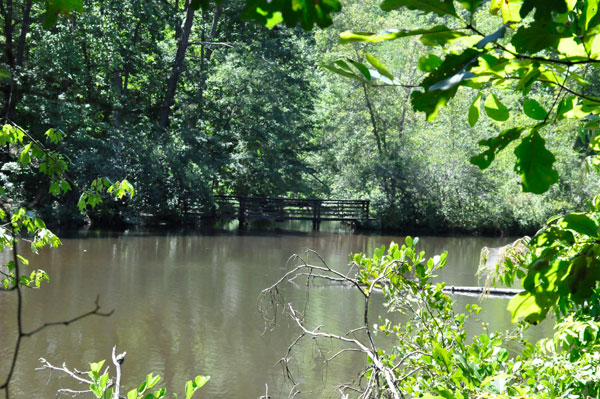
379,67
307,13
475,110
495,109
534,110
441,84
437,36
93,195
100,386
439,7
535,164
378,75
193,385
580,223
508,8
563,267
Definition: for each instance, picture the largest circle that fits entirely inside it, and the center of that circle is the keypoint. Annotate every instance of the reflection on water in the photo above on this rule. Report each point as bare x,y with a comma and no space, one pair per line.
187,303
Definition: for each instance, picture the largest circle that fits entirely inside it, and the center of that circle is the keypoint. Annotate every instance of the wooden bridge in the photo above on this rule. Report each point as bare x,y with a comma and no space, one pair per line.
280,209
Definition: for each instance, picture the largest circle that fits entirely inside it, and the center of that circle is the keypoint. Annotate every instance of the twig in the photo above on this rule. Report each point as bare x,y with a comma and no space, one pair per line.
95,311
64,369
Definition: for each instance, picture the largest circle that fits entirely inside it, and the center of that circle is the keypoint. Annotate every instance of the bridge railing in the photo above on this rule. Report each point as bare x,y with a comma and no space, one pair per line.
290,208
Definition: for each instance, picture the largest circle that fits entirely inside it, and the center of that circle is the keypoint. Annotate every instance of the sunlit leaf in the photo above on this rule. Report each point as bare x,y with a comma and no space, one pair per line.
535,164
495,109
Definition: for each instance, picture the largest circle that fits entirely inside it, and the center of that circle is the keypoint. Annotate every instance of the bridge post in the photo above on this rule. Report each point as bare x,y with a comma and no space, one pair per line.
241,212
317,214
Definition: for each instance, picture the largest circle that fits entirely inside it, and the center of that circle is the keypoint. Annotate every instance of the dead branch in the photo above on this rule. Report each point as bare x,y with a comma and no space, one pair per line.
64,369
96,312
386,372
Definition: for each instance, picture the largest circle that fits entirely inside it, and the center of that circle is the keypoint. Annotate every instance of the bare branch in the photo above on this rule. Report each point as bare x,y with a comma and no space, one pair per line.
96,312
64,369
117,361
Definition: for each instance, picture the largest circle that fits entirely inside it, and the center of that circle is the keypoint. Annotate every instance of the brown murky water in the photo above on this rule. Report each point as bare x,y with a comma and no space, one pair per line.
187,304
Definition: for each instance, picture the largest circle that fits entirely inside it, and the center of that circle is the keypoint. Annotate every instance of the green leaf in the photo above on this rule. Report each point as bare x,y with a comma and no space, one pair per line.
534,110
590,10
569,108
495,145
362,69
534,164
580,223
471,5
528,78
538,36
54,8
431,101
495,109
439,7
292,12
379,66
508,8
436,36
474,110
342,72
132,394
429,63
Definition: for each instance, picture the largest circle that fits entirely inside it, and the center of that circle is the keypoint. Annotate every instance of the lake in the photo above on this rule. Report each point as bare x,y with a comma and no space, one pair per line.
186,303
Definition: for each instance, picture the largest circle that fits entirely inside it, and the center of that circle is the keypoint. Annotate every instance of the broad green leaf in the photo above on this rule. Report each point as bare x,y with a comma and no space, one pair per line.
431,102
526,306
132,394
436,36
475,110
429,63
439,7
362,69
535,164
572,48
569,108
379,66
528,78
510,9
590,10
543,8
495,145
534,110
54,8
581,223
538,36
275,19
292,12
495,109
342,72
471,5
591,42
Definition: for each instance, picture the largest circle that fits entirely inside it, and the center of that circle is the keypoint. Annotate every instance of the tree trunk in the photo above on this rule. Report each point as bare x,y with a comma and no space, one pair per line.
165,110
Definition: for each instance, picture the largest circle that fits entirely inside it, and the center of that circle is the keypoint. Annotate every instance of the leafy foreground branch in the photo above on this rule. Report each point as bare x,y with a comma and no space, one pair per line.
431,355
18,225
102,386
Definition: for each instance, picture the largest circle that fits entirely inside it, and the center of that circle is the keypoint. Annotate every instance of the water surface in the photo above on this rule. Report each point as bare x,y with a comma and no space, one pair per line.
187,304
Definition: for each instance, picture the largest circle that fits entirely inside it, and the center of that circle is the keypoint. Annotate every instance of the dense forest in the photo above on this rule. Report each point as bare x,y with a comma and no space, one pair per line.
188,104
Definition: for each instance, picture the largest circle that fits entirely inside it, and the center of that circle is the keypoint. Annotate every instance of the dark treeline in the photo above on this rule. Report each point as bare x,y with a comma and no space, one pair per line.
189,104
